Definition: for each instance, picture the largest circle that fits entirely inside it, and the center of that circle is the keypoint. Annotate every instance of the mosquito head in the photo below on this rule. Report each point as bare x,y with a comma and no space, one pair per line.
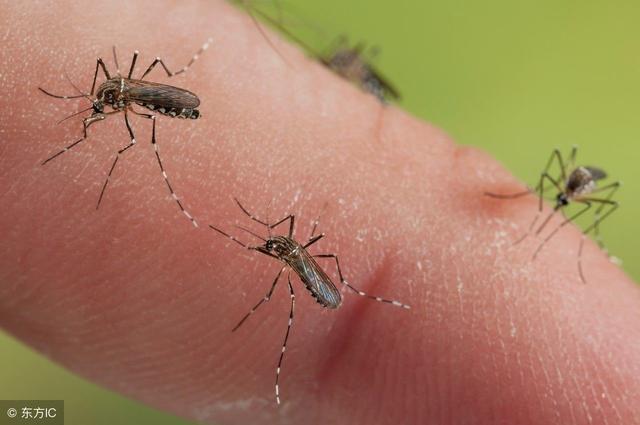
268,245
98,106
562,200
279,246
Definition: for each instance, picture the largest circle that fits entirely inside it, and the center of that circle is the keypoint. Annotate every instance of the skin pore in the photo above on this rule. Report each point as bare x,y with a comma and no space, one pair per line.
135,298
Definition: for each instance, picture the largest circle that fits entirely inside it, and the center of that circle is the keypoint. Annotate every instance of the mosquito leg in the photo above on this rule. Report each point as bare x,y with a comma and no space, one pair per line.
233,238
115,161
509,195
563,170
561,225
251,216
262,300
317,221
115,60
541,188
612,188
85,125
100,64
194,58
357,291
554,155
265,36
133,63
164,173
595,226
264,223
286,337
580,272
572,157
313,240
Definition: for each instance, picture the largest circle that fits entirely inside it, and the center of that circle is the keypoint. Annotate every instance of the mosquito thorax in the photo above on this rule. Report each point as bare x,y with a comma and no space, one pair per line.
580,182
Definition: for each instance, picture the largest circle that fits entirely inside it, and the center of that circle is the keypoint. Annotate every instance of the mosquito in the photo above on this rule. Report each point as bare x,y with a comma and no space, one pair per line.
351,62
575,184
298,260
120,94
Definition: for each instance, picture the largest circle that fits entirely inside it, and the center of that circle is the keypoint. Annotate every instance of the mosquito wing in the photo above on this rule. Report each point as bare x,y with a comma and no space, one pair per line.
597,173
316,281
161,95
386,85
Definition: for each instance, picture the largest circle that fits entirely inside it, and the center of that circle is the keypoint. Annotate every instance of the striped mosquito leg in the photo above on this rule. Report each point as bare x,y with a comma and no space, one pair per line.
194,58
115,161
233,238
317,221
290,217
263,300
166,178
85,125
357,291
286,337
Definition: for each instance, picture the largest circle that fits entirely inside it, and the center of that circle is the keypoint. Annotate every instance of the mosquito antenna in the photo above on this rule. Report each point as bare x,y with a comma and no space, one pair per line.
86,96
251,233
76,114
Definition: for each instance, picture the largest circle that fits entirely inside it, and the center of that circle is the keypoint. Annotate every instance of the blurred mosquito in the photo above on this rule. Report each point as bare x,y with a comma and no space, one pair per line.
121,93
297,259
575,184
352,62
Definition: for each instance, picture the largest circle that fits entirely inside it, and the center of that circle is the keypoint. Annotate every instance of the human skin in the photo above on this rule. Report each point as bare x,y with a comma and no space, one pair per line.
135,298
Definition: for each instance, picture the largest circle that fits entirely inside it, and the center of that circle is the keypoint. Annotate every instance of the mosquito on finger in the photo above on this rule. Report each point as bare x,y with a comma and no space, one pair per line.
351,62
575,185
298,260
120,94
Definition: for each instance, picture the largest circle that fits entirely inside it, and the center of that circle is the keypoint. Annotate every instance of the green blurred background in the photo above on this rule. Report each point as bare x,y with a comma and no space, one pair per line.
515,78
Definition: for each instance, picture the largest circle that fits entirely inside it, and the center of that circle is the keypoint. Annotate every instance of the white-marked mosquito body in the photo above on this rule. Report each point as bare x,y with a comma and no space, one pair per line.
121,94
296,258
575,184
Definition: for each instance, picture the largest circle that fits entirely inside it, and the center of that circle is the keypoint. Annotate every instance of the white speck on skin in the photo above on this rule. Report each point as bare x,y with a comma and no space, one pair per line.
296,197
